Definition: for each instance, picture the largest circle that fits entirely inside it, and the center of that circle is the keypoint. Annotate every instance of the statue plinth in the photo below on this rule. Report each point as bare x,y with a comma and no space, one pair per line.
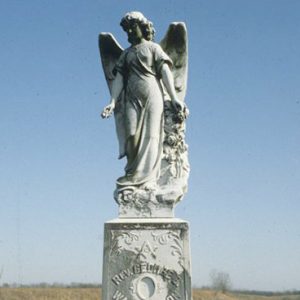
146,259
138,203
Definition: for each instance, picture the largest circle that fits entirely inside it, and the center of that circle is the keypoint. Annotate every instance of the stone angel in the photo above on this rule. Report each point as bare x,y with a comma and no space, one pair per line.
147,83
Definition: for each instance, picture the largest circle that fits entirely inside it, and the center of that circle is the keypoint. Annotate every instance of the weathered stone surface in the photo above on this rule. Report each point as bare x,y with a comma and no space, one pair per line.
146,250
159,200
146,259
147,83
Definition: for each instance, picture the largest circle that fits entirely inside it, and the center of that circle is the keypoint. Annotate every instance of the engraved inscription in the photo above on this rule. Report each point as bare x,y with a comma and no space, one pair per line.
119,296
172,297
167,275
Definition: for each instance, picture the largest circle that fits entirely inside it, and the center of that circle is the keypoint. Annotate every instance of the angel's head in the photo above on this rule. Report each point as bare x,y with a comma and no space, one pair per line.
137,27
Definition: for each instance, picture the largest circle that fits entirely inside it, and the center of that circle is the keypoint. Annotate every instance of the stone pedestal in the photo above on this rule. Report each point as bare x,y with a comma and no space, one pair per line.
146,259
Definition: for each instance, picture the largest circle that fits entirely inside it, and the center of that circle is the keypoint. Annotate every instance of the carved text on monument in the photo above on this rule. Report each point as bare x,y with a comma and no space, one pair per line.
167,275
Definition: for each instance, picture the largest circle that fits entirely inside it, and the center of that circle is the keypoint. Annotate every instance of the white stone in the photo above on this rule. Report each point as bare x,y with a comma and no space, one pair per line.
147,83
146,250
146,259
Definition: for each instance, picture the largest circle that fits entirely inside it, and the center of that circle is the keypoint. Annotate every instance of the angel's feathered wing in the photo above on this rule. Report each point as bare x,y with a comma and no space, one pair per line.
175,44
110,51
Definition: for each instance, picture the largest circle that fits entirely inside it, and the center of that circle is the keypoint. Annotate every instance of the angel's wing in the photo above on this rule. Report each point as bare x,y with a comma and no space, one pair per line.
110,51
175,44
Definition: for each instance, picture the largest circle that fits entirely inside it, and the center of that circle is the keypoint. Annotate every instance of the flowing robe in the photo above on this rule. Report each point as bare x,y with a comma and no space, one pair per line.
140,129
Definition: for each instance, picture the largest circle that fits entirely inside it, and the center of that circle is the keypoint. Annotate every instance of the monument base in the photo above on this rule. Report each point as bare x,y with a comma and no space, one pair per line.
146,259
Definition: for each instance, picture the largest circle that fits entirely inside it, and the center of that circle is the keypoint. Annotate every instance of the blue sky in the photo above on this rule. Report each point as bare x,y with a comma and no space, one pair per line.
58,159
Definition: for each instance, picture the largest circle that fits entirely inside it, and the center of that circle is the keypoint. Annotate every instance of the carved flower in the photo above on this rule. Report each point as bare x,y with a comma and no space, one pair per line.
172,139
173,170
127,196
180,117
168,120
171,157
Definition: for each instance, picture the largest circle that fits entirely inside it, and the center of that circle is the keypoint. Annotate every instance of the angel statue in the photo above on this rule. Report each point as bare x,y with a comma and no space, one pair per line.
147,83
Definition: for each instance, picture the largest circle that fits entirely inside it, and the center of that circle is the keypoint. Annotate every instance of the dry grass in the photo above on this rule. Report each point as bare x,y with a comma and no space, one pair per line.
199,294
95,294
50,294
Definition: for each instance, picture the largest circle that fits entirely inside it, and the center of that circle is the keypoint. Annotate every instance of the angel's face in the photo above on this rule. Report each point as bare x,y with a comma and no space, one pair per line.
135,34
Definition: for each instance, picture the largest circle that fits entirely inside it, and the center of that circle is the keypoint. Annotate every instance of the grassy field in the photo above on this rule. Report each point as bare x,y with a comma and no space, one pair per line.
94,294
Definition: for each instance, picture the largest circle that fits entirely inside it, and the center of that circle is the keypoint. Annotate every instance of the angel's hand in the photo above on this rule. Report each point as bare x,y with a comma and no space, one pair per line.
108,110
178,105
181,110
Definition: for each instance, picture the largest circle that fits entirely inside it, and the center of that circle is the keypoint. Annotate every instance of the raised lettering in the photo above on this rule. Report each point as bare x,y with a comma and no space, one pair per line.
156,269
167,275
173,296
164,273
137,269
143,267
119,296
116,279
127,272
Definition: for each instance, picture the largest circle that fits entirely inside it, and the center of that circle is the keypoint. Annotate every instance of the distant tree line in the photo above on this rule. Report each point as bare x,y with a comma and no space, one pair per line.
266,293
99,285
255,292
221,282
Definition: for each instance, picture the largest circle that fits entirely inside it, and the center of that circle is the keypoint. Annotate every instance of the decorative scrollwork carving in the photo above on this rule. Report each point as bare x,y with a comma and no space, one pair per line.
173,239
122,236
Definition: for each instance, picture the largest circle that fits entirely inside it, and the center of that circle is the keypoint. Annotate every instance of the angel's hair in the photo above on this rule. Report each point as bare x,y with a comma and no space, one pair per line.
145,25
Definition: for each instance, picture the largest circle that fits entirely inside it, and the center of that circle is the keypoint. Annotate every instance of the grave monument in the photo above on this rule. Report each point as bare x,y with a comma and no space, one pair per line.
146,249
